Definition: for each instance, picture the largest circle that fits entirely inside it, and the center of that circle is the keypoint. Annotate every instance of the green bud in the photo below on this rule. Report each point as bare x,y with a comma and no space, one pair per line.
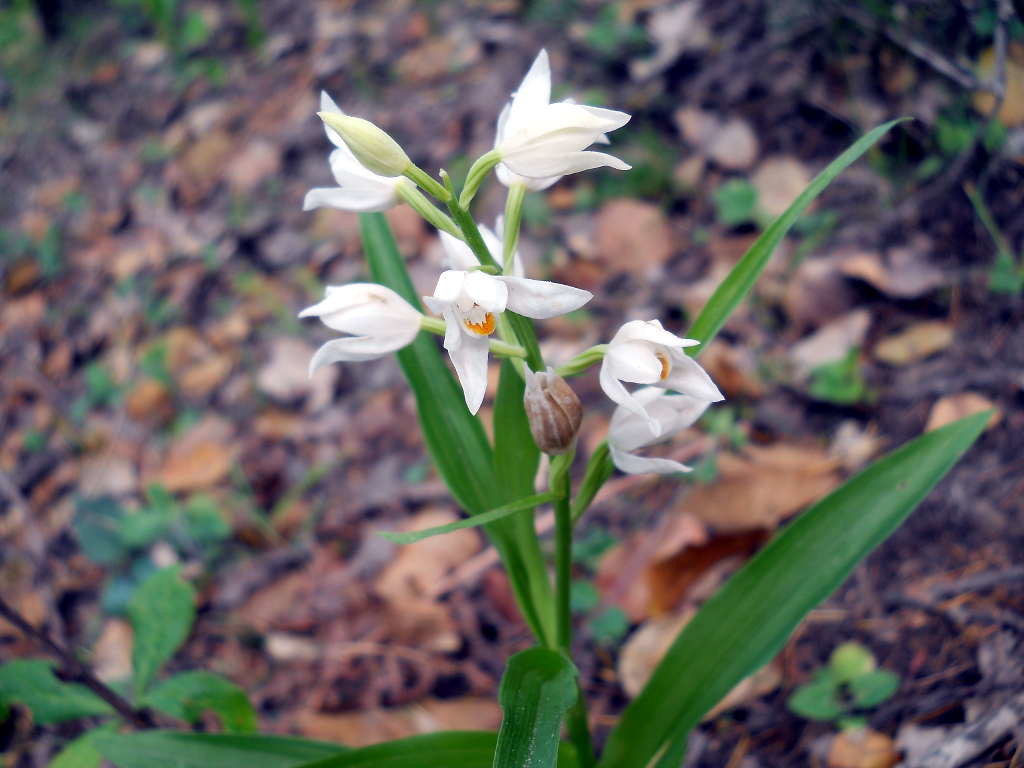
374,148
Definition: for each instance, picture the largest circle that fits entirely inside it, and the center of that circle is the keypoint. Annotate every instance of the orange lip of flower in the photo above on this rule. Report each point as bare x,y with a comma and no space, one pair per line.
485,327
665,366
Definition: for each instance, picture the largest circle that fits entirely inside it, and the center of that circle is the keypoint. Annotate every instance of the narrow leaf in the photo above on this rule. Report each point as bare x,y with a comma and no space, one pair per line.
735,287
80,753
458,749
161,612
161,749
188,695
537,689
454,437
741,627
32,683
483,518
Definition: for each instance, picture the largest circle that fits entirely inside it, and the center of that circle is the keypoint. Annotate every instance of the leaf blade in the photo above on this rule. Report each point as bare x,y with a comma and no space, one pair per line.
537,689
161,613
408,537
187,695
32,682
159,749
738,283
748,620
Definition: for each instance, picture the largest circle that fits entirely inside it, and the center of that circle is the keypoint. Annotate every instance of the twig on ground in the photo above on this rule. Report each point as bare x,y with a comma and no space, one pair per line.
141,718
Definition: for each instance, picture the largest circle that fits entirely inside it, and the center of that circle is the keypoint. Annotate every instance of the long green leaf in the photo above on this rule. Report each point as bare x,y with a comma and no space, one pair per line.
741,279
537,689
451,749
516,458
82,752
408,537
748,620
161,613
163,749
454,437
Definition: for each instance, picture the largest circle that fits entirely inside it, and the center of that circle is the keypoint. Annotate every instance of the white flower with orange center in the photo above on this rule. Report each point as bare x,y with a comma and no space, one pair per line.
470,303
458,255
642,352
630,431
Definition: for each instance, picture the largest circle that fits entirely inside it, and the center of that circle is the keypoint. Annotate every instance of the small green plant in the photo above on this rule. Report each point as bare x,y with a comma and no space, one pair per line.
736,203
847,687
161,614
840,381
120,539
100,391
1007,272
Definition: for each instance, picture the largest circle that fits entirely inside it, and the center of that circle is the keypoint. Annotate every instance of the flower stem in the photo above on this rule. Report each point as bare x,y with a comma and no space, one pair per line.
561,483
599,469
437,326
419,203
583,360
477,173
513,217
427,182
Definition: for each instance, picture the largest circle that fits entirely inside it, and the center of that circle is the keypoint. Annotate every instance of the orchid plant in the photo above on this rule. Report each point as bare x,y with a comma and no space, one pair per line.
483,306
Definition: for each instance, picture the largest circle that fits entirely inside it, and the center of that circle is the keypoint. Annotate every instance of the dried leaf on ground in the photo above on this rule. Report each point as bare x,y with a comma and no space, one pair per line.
830,342
633,237
904,273
762,486
854,445
1011,112
779,180
915,343
862,748
200,458
285,375
360,729
112,653
952,407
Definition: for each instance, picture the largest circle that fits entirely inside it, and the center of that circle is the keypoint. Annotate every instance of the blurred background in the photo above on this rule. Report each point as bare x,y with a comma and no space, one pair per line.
155,407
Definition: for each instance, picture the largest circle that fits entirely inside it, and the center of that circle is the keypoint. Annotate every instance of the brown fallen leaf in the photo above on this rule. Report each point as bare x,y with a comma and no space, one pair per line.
854,446
762,486
202,466
915,343
633,237
905,272
734,368
779,180
149,399
112,652
830,343
862,748
360,729
952,407
1011,112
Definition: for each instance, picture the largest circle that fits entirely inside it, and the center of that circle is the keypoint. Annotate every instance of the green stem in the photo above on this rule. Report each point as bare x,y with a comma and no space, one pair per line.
599,469
427,182
583,360
579,730
513,217
477,173
419,203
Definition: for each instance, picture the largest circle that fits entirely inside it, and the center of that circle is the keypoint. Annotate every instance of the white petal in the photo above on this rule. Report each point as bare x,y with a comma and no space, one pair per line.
449,286
327,105
458,255
689,378
534,92
492,241
360,200
487,291
584,161
673,413
650,331
453,333
470,361
639,465
620,395
541,299
633,361
508,177
355,349
676,412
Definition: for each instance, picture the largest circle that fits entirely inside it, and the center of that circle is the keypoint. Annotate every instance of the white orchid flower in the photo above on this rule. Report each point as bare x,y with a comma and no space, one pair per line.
630,431
379,320
470,302
539,142
642,352
359,189
458,255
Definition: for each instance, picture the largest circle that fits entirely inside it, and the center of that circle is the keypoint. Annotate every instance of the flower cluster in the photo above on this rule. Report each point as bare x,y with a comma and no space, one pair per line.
536,143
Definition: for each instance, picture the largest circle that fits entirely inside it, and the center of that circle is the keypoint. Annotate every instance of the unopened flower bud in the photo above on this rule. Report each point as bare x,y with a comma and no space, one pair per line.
553,410
374,148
